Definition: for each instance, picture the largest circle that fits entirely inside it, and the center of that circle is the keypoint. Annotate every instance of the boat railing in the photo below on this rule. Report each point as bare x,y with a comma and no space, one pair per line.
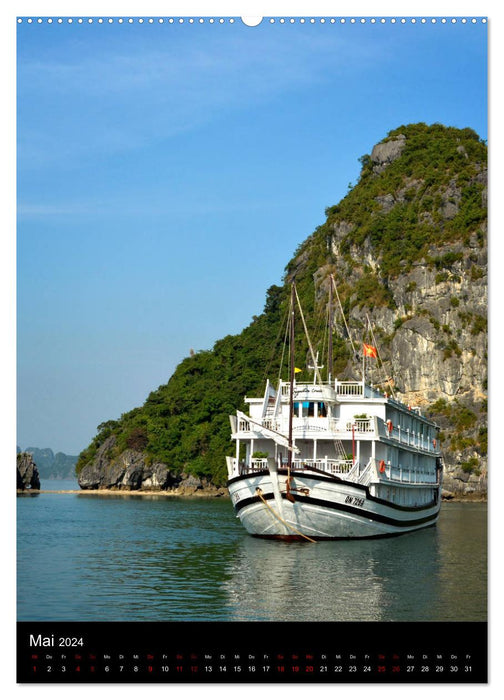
359,425
316,425
410,475
258,464
403,475
411,438
362,425
349,388
243,425
370,472
357,389
329,466
285,389
255,465
270,423
341,390
246,426
353,471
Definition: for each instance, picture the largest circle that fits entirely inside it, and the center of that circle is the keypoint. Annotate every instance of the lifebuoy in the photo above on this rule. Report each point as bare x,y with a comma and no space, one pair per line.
382,466
389,426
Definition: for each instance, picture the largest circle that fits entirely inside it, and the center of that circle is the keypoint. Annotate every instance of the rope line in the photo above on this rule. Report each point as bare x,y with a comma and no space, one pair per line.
388,379
259,493
314,359
343,314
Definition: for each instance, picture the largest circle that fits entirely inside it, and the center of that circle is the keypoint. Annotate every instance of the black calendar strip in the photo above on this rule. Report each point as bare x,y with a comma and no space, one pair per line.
252,652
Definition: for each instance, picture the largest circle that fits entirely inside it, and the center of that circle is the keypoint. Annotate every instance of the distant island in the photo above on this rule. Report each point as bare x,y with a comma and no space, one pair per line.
51,465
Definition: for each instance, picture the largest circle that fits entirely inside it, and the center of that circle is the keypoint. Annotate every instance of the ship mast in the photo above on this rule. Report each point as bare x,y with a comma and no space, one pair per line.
330,328
288,493
292,375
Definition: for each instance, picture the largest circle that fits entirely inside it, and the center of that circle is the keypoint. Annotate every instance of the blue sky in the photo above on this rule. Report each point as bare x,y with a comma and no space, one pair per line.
167,173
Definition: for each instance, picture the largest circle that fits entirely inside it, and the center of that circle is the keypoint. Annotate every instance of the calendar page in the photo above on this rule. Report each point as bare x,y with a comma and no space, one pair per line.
252,340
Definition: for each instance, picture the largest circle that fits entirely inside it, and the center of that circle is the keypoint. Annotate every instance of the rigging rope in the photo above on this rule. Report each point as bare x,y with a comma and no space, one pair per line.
287,326
259,493
317,373
387,379
343,315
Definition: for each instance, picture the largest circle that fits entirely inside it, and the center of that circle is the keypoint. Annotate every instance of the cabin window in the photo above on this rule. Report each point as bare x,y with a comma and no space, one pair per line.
322,409
309,409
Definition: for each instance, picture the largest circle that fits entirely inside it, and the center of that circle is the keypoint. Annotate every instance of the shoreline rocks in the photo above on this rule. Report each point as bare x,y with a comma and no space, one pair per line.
27,475
132,472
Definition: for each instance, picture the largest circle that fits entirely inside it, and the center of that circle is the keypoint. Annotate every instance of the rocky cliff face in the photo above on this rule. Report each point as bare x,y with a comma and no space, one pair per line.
132,471
27,475
430,311
435,349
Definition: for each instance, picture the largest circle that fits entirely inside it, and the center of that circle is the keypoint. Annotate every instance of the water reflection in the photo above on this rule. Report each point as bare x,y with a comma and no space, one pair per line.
369,580
463,554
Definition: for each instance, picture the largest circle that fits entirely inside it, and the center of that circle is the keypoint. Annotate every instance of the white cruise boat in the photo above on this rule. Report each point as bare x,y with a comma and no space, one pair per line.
333,460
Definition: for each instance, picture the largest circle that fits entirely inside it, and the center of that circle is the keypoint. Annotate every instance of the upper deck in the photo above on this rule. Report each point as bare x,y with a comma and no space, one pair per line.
337,391
338,411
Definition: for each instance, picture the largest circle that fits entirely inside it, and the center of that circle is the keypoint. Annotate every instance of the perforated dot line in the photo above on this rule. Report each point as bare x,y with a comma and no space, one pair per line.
232,20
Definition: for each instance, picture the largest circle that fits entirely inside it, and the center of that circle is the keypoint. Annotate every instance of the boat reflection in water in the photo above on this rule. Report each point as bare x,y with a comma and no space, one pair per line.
354,580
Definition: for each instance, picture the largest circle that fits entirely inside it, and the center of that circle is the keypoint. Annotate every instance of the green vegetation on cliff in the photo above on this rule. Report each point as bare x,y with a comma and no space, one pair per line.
402,211
424,206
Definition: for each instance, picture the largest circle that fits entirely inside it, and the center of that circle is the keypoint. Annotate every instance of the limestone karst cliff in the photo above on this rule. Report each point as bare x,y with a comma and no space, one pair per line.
408,249
133,471
27,476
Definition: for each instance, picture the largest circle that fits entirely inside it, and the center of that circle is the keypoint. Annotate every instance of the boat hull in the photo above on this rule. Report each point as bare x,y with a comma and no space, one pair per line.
317,507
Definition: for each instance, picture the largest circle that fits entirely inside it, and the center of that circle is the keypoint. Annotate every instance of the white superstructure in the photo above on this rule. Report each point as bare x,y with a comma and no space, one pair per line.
362,463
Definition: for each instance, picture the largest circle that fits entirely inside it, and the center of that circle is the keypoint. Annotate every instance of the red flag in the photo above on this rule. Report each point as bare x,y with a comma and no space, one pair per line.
369,350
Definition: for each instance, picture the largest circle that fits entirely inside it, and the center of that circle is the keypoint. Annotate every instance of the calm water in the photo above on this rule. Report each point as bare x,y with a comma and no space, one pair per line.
88,557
